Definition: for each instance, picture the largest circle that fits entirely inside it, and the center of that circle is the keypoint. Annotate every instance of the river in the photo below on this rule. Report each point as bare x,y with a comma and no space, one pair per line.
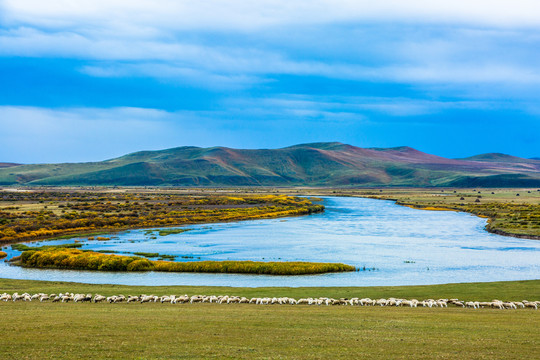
390,244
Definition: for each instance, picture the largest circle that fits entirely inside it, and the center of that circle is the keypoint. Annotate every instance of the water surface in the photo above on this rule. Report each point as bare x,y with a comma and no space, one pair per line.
395,245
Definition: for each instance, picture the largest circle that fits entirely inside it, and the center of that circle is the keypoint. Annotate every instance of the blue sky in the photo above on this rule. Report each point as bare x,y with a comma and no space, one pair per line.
90,80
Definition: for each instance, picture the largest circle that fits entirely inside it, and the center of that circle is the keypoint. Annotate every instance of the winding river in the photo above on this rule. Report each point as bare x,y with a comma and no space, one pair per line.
391,244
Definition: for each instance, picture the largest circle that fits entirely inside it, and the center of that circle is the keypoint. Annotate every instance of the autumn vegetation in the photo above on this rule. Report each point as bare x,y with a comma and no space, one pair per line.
47,214
68,258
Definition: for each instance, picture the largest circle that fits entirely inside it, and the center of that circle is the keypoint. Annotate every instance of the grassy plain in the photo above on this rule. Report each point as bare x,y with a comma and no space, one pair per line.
148,331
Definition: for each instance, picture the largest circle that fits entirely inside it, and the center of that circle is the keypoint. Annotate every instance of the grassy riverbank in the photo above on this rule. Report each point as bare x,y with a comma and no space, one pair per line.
74,259
39,214
61,331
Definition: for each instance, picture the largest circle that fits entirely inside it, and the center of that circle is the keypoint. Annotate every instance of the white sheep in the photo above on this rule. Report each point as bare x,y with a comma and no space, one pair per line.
408,303
147,298
470,304
99,298
529,304
226,299
182,299
509,305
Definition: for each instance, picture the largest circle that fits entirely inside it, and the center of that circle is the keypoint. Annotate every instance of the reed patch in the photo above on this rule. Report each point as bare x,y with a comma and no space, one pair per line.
65,258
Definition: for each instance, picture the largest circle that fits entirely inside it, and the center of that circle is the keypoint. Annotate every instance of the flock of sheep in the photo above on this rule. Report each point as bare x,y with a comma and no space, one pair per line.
225,299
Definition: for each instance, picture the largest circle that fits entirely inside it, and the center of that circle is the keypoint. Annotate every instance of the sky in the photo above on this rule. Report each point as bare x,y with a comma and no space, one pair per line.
89,80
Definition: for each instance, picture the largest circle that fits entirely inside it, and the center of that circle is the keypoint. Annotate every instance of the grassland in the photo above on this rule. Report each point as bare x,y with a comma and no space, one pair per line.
149,331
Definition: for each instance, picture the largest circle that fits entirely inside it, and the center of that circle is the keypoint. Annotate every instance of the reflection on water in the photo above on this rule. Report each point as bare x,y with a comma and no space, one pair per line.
403,245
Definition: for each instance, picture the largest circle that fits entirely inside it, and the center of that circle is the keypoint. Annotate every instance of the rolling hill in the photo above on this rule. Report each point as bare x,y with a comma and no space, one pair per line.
316,164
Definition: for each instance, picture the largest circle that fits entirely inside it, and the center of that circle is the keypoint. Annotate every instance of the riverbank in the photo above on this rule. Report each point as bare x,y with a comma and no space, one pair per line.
38,214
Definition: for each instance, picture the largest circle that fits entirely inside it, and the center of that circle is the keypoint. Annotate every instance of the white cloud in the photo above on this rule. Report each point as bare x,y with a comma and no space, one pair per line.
355,105
473,48
170,41
177,74
235,66
238,14
32,42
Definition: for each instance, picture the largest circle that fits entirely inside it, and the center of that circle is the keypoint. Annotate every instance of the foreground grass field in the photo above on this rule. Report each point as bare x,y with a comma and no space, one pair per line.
128,331
148,331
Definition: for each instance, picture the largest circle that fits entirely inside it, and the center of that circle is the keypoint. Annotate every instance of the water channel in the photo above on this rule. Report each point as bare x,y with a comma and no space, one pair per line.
390,244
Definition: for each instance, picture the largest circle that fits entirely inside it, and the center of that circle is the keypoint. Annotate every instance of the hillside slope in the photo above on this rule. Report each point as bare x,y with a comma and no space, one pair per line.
317,164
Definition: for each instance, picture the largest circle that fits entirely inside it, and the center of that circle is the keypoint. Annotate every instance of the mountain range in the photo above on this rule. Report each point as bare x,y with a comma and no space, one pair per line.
316,164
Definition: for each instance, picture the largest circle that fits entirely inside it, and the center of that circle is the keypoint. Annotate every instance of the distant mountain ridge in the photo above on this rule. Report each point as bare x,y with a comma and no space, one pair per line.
5,165
315,164
498,157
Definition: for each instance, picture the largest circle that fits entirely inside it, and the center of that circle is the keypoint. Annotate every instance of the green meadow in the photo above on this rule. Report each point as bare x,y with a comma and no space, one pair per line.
242,331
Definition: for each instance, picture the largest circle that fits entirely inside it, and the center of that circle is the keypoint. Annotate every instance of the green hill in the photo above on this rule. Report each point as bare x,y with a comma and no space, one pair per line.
316,164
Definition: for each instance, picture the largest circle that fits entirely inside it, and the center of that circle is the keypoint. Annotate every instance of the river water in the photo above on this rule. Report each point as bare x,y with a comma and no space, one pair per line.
391,244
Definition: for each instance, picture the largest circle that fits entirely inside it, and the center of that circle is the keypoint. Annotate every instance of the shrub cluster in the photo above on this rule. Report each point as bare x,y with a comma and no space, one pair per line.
65,258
